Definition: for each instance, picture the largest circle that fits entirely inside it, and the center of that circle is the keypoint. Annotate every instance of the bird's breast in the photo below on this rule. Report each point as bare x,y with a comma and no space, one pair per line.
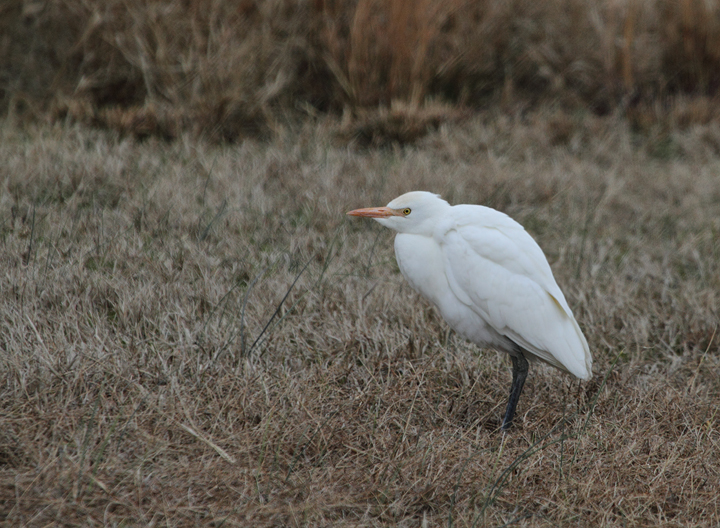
421,263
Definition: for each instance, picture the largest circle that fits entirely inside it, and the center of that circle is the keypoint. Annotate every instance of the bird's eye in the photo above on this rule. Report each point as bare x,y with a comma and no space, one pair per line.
406,211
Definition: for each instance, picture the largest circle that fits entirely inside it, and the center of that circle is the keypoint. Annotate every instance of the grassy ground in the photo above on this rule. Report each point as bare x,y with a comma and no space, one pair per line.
194,334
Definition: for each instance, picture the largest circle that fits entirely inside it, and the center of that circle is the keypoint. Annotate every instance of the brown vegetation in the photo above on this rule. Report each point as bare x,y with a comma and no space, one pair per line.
197,335
229,70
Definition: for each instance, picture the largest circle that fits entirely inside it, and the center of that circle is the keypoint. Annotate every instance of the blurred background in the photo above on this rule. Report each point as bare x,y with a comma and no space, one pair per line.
393,69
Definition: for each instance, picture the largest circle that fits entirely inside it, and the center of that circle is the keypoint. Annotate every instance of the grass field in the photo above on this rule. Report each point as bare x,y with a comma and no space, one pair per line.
196,335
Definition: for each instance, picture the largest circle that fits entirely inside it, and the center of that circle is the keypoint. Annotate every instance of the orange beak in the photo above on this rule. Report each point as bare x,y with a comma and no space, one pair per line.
375,212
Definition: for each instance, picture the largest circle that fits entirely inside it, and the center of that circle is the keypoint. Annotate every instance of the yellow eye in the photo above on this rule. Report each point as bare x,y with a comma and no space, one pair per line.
406,211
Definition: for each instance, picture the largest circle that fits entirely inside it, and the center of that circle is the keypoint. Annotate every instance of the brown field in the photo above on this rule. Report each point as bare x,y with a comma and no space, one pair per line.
195,334
192,332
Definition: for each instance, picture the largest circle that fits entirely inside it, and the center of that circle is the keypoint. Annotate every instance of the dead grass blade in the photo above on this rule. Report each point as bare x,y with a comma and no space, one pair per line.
259,338
219,450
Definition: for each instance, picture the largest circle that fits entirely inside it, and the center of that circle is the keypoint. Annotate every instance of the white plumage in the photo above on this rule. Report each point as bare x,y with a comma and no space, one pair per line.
489,279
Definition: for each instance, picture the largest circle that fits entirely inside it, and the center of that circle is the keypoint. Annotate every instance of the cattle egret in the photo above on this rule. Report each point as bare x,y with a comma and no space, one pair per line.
489,279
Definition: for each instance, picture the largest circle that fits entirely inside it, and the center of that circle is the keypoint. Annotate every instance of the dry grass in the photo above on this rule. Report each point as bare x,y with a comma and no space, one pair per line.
197,335
230,70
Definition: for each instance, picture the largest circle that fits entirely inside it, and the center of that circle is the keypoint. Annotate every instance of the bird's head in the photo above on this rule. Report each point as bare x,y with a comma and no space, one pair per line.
414,212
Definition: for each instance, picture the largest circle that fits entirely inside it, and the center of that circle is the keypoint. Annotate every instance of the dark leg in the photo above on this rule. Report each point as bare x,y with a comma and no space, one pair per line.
520,371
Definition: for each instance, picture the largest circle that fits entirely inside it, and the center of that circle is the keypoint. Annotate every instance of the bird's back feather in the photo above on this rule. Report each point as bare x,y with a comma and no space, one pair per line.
496,268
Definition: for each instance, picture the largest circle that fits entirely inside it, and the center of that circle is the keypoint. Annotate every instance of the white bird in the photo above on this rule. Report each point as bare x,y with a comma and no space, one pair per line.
489,279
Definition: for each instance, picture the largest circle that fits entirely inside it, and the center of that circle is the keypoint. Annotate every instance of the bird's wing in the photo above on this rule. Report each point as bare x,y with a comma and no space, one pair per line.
494,266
